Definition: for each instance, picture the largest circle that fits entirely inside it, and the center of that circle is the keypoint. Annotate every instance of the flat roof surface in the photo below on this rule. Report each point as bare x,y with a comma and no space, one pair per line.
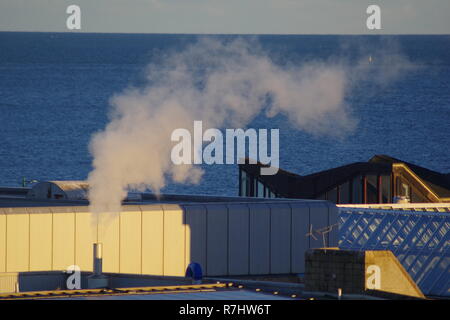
206,291
21,202
12,201
226,294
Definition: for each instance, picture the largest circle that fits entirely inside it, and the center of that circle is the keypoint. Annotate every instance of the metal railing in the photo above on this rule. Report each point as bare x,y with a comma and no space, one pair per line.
430,207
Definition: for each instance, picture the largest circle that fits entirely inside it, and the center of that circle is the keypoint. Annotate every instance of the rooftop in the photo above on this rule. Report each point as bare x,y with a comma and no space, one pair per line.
16,197
432,185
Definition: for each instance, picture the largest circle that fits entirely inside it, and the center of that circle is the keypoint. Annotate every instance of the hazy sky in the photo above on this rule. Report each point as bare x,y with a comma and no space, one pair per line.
228,16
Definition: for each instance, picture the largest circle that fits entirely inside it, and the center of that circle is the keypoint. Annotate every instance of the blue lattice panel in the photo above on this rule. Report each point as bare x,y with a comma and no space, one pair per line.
419,240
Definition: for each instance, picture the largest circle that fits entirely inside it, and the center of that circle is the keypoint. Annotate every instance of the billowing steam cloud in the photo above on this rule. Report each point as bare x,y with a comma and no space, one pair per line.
224,84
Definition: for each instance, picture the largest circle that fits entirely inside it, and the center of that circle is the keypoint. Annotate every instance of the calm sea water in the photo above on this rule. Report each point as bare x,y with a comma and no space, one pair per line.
54,91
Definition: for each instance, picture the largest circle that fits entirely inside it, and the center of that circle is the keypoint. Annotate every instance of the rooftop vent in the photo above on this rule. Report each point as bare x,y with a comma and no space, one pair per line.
97,280
63,190
67,190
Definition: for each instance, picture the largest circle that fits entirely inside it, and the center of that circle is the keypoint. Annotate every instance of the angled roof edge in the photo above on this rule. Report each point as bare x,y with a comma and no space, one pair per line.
436,183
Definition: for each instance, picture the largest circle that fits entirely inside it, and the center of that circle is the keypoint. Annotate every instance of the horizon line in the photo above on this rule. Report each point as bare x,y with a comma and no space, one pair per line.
233,34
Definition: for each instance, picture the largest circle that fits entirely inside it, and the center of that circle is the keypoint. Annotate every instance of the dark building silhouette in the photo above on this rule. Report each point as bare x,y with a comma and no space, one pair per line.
379,180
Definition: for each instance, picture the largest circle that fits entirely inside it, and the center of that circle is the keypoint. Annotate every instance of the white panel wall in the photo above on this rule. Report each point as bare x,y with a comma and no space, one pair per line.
152,239
2,240
259,238
85,235
195,234
174,241
41,239
238,239
17,240
333,236
217,240
130,240
280,238
318,221
300,240
63,237
225,238
109,236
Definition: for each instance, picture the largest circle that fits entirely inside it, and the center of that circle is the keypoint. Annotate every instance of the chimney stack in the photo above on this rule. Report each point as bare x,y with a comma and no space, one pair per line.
97,280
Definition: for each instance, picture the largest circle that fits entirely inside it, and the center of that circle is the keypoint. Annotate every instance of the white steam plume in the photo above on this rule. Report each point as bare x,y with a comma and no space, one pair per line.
224,84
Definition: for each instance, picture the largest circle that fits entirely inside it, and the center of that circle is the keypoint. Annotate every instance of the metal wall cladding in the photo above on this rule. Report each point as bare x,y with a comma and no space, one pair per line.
246,238
174,240
17,240
196,235
41,239
63,237
238,239
85,236
2,241
108,233
259,239
280,238
300,242
152,240
130,237
216,240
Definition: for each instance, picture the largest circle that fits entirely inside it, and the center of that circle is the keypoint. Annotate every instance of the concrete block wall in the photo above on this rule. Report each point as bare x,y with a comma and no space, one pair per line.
330,269
162,239
355,272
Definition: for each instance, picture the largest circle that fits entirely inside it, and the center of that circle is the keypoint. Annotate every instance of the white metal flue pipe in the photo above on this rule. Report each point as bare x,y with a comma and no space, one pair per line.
98,257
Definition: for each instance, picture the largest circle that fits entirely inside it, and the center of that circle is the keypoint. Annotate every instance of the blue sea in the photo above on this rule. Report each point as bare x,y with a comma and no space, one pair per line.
55,90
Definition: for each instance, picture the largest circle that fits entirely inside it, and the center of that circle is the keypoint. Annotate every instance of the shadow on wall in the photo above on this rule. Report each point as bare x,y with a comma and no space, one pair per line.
256,239
240,238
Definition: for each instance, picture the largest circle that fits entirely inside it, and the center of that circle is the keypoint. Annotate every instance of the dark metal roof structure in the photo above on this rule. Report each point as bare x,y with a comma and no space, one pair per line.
290,185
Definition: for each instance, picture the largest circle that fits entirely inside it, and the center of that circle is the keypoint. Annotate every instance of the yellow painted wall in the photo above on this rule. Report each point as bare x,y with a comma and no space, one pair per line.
158,239
109,235
63,238
195,234
40,239
85,236
130,240
152,240
17,240
2,241
174,241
